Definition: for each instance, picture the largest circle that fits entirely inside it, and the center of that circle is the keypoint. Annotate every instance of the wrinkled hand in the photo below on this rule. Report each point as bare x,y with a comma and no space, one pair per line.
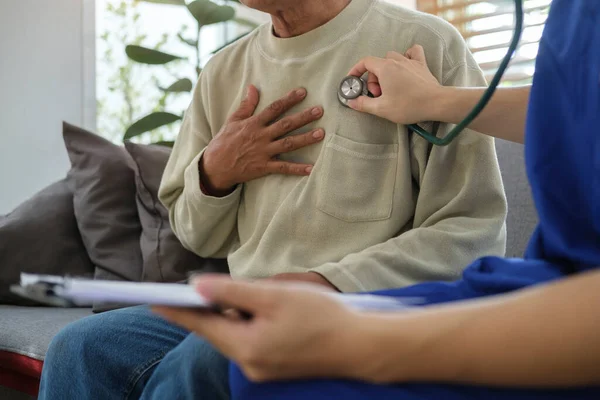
297,331
404,88
307,277
247,146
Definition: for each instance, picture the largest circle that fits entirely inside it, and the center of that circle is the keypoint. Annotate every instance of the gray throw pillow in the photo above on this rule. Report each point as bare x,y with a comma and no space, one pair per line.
105,207
41,237
165,259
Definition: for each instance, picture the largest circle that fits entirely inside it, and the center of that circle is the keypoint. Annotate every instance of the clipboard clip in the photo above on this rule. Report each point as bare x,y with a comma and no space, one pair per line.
43,289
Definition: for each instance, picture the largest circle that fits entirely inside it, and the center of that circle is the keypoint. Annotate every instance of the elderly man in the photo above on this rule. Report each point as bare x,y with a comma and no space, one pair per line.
298,188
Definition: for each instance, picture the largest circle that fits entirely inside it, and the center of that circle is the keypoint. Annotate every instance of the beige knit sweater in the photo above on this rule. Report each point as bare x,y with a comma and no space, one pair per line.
382,208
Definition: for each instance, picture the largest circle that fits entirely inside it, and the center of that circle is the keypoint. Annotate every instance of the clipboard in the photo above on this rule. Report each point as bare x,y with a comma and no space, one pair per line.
78,292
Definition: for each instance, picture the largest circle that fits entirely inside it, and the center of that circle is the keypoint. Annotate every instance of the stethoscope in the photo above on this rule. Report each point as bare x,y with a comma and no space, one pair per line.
353,87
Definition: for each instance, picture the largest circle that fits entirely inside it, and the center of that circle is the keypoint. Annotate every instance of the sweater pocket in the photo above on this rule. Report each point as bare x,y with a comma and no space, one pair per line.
357,180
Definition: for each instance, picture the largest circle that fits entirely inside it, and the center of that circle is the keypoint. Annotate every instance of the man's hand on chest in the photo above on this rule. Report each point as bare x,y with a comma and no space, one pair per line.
247,146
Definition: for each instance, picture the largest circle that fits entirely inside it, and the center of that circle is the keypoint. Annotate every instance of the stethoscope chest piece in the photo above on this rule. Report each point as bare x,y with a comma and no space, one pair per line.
351,88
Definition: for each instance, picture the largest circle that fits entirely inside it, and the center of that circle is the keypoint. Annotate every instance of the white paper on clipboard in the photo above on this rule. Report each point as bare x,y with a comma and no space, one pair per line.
82,292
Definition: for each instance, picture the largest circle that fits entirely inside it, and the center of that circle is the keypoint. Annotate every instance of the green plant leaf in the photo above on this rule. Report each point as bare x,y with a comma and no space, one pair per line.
150,123
207,13
182,85
165,144
148,56
228,43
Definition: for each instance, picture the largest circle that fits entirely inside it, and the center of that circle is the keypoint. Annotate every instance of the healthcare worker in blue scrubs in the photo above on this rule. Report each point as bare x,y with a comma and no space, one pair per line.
510,328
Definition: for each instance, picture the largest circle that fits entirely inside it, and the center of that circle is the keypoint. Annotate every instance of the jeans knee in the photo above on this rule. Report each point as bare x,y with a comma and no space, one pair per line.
196,359
102,356
66,345
201,357
82,343
194,369
63,367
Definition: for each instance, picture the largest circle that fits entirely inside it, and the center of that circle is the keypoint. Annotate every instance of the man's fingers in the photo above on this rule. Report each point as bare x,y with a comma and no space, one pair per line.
295,142
287,168
276,109
365,104
296,121
247,106
367,64
416,53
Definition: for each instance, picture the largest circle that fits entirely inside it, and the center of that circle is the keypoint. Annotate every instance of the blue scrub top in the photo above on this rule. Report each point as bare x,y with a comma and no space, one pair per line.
563,137
563,166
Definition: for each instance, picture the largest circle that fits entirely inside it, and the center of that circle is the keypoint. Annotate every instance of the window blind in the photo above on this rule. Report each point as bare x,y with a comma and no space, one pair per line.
487,26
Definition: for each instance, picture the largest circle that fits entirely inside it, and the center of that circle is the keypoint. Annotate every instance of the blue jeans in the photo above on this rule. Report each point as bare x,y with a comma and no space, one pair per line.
131,354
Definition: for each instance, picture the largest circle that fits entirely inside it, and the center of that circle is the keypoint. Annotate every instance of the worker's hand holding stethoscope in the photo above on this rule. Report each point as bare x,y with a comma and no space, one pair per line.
403,88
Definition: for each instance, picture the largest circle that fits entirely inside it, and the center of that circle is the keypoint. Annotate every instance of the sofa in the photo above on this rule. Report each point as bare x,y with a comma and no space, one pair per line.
26,329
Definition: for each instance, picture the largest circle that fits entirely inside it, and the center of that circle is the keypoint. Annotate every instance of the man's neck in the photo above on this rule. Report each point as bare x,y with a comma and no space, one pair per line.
306,16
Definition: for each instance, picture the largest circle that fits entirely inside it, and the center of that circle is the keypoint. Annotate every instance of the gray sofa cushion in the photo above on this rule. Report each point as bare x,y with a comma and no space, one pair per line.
165,259
522,217
41,236
29,330
104,204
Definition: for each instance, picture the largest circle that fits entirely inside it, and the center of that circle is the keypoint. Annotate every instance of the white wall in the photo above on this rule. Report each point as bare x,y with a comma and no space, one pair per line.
43,67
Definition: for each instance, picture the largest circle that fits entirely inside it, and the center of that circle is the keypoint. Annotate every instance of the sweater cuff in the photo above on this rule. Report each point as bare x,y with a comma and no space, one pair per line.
192,186
340,277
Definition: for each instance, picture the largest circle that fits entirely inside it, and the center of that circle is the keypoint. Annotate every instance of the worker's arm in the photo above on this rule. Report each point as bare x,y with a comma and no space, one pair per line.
543,337
504,117
406,93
